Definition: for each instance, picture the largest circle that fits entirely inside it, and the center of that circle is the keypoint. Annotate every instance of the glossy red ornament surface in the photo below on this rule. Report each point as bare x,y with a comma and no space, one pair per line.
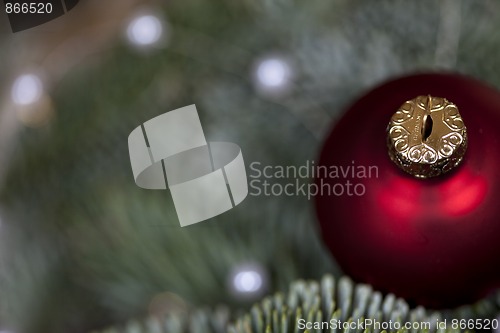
434,242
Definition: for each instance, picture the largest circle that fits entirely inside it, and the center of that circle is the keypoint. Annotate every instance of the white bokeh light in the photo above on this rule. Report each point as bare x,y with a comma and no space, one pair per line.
145,30
247,281
273,73
27,89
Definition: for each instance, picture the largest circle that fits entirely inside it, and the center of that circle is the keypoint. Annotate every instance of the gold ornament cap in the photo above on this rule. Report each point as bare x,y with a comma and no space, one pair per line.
427,137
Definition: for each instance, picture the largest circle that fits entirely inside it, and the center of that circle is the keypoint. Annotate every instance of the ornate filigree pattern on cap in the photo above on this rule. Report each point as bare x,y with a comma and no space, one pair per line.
427,136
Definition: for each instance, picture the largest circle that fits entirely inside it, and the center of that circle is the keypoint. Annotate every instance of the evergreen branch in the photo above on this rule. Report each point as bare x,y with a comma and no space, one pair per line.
348,302
315,301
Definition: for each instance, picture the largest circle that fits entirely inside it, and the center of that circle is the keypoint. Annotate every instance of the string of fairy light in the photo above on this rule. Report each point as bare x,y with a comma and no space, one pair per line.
147,31
271,74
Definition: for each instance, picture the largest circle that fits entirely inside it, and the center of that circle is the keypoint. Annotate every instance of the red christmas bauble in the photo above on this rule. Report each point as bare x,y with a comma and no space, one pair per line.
434,242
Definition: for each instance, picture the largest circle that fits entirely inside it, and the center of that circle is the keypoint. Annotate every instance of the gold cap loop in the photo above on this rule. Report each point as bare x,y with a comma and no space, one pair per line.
427,137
